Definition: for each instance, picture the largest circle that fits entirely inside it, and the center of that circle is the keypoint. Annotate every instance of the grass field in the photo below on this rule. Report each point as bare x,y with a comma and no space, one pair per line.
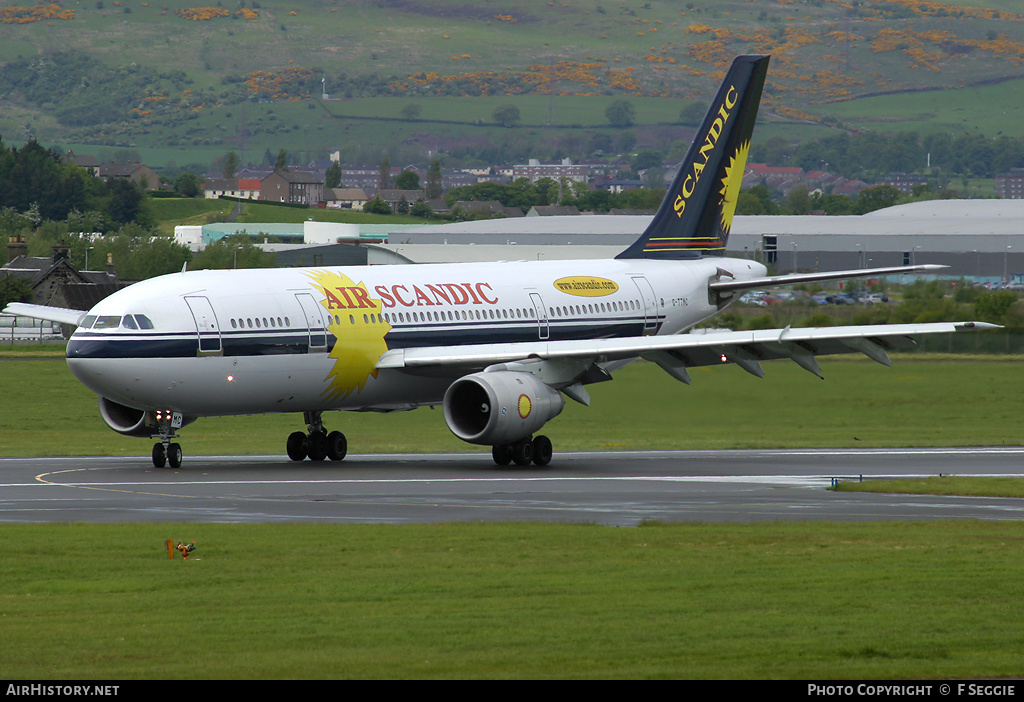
859,404
828,601
941,485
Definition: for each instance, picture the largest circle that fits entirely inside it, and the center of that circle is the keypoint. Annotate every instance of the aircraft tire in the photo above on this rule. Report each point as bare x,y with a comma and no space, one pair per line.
174,455
522,452
337,446
316,446
542,450
159,456
296,446
502,454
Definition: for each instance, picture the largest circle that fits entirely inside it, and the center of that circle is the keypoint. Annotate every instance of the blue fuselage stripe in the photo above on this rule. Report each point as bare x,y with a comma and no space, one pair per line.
88,344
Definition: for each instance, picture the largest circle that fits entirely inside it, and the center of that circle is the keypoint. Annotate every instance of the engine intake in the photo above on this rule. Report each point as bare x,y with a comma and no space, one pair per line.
499,407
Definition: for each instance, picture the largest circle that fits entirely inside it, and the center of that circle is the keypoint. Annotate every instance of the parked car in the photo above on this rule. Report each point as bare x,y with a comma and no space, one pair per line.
876,298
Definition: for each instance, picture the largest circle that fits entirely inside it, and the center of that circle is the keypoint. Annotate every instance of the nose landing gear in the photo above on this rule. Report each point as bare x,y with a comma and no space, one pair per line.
166,452
318,444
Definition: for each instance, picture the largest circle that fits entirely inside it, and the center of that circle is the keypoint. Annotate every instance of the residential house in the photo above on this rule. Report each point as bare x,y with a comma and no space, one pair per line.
89,163
552,210
902,181
394,198
535,170
293,186
345,198
55,282
138,173
488,208
1010,185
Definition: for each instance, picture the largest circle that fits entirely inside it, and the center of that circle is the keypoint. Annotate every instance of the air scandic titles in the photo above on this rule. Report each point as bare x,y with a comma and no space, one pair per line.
499,346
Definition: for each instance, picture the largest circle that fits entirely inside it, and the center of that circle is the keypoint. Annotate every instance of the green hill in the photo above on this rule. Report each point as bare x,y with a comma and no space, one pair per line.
180,84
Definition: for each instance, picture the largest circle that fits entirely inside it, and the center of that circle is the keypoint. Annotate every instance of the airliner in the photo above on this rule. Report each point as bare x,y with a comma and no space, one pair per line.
499,346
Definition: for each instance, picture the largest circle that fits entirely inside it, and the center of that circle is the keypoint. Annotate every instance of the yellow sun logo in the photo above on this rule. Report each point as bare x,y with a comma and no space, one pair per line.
525,406
358,326
731,183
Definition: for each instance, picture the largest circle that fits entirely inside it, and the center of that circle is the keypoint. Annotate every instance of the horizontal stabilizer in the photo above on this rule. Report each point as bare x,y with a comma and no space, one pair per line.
730,285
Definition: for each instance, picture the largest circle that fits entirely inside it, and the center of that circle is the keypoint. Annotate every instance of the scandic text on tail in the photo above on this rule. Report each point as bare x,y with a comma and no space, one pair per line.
695,217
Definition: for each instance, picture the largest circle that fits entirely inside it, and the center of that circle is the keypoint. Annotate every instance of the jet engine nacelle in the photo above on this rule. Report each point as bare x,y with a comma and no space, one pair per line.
130,421
499,407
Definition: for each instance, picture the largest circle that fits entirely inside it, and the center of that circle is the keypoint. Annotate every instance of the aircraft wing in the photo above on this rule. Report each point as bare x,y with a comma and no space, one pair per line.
676,353
50,314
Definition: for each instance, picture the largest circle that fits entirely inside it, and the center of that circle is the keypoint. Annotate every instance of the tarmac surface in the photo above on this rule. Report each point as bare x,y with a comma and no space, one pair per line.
612,488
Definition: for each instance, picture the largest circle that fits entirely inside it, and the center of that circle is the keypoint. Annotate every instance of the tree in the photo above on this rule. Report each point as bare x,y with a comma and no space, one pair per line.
377,206
14,290
332,176
506,115
421,209
281,162
383,173
188,185
620,114
411,111
125,201
871,199
434,180
230,164
408,180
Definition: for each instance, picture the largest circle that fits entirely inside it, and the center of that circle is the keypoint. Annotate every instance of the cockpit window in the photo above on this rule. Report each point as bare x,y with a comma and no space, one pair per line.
144,322
107,322
129,322
88,322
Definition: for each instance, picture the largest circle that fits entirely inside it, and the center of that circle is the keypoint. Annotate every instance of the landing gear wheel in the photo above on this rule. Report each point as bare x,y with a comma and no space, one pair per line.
337,446
174,455
159,456
542,450
316,446
502,454
522,452
296,446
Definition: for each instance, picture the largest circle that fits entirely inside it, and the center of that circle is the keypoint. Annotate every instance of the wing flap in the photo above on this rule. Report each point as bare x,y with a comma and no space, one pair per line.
746,348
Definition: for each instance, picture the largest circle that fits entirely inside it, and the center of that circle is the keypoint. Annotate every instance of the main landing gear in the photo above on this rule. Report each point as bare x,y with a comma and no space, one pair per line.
317,445
524,452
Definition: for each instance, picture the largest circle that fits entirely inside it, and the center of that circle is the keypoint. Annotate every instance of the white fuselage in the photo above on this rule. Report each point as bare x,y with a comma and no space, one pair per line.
209,343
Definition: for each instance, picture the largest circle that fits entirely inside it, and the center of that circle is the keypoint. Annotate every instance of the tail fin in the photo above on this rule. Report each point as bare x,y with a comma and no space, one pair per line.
695,217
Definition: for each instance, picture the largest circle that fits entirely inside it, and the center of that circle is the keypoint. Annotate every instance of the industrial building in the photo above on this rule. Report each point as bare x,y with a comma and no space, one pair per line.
975,238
